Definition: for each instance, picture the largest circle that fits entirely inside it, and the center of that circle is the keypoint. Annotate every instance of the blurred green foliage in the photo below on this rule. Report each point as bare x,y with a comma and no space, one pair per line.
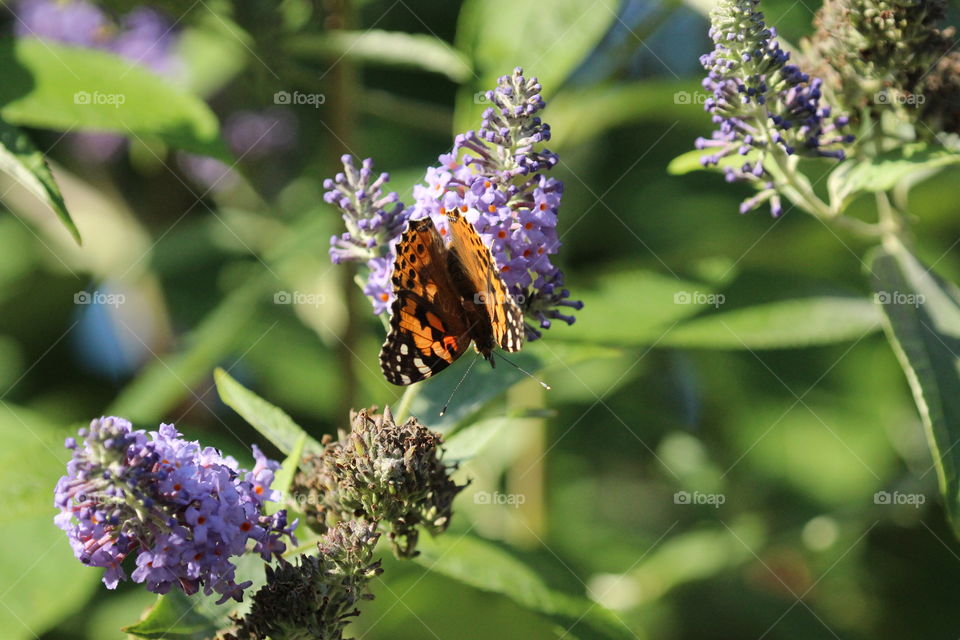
717,355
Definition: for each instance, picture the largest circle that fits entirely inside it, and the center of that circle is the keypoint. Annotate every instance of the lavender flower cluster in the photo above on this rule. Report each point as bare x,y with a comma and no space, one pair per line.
760,103
374,221
495,178
183,510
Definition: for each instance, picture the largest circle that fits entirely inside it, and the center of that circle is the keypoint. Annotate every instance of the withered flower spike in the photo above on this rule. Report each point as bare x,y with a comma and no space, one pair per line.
316,598
382,472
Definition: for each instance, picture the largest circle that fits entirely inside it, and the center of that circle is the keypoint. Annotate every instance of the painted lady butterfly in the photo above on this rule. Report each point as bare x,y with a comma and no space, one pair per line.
446,297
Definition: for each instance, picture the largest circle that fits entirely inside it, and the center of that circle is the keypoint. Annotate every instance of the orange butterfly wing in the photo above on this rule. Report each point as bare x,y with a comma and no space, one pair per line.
486,286
428,330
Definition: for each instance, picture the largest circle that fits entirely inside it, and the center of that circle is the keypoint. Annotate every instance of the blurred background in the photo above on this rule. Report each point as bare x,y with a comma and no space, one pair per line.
701,478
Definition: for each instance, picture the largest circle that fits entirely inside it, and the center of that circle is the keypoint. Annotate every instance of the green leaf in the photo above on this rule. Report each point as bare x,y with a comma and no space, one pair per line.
283,479
923,325
651,301
25,164
487,567
580,114
885,171
44,582
390,48
690,161
181,617
780,325
485,383
469,441
174,617
272,423
55,86
499,35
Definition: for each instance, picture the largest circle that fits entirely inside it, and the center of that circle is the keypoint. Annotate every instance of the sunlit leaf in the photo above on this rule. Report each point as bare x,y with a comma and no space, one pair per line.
272,423
174,616
55,86
923,326
24,163
786,324
45,583
389,48
488,567
885,171
484,383
498,35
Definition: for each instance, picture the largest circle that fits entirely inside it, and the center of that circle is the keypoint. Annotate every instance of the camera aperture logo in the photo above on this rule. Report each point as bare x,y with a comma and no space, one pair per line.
896,497
299,98
299,297
116,100
699,297
99,297
509,499
698,497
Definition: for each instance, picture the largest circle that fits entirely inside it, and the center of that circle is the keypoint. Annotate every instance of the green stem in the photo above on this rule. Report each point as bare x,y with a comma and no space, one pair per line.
801,194
891,222
402,409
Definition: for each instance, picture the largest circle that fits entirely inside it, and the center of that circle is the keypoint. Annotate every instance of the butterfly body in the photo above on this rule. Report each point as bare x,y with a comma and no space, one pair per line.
445,298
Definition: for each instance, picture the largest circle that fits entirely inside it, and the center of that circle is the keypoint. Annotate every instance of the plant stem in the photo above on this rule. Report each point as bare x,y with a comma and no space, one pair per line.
343,81
801,194
402,409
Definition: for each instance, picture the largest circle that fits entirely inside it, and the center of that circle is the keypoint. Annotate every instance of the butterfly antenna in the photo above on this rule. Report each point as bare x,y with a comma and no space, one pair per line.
522,370
456,388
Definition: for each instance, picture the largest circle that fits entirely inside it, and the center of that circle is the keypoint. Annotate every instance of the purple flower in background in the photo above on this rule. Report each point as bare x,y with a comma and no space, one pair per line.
374,221
182,510
212,174
78,23
761,104
97,145
145,36
494,176
254,134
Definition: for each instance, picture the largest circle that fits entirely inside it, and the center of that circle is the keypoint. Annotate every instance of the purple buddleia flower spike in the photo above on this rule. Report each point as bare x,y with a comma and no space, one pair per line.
495,178
761,104
183,511
374,221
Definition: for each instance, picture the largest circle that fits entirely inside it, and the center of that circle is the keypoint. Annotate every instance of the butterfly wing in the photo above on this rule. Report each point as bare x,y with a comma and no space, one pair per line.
487,287
428,331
